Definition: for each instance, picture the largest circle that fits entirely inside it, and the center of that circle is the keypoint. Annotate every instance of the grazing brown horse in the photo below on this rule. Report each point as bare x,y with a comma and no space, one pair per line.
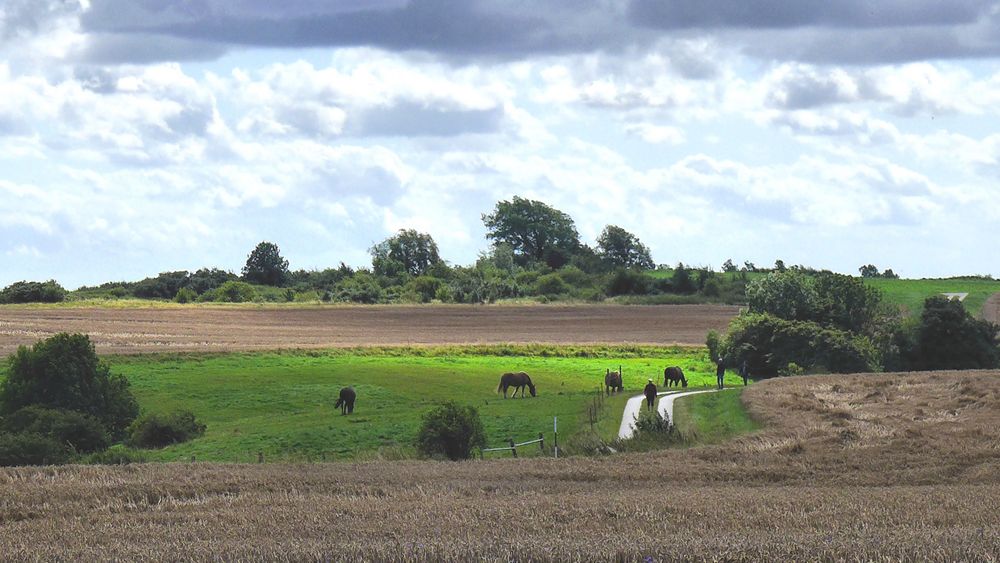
516,380
346,401
612,381
674,376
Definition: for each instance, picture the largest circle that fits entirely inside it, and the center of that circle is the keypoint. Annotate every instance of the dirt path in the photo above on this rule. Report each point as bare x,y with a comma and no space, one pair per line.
991,310
665,407
218,329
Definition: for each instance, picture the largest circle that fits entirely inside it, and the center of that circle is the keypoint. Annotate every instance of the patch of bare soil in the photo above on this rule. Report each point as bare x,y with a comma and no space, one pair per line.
865,467
991,310
129,331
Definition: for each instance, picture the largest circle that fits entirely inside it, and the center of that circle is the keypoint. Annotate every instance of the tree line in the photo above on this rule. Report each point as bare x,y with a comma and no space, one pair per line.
535,252
831,323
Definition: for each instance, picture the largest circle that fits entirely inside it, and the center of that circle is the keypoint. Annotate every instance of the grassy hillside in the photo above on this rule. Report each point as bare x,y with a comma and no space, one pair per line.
281,404
911,294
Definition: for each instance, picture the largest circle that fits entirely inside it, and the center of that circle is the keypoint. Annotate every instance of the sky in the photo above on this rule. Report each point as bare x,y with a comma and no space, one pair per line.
142,136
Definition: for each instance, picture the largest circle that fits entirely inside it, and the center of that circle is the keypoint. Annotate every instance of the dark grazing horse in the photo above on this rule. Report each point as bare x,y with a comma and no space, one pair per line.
673,375
516,380
613,381
346,401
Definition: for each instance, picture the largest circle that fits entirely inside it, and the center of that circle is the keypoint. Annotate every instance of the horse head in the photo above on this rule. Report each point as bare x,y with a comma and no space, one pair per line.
531,388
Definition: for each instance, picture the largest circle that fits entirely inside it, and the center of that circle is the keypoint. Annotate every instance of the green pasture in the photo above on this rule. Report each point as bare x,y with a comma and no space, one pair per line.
281,404
911,293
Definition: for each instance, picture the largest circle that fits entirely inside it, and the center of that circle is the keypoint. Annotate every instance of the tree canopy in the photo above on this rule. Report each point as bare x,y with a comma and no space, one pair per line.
407,251
265,265
63,372
620,248
536,231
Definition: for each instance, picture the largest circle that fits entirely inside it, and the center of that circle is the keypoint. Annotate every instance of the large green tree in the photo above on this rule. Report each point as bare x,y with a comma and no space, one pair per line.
948,337
622,249
265,265
536,231
406,251
63,372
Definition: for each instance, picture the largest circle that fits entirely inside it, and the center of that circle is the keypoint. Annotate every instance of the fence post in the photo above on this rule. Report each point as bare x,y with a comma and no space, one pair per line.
541,442
513,449
260,457
555,437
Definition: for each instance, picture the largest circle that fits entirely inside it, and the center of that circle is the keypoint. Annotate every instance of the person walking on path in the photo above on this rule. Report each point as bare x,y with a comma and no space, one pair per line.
744,372
720,373
650,392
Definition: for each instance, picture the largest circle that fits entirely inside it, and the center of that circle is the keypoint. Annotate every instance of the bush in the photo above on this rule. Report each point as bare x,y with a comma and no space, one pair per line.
156,430
948,337
33,292
164,286
768,344
362,287
77,431
31,449
551,284
185,295
63,372
452,431
423,288
629,282
233,292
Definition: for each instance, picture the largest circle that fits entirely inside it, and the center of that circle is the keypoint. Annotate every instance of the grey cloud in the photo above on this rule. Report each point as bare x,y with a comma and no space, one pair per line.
110,48
824,31
27,17
490,28
771,14
803,90
411,119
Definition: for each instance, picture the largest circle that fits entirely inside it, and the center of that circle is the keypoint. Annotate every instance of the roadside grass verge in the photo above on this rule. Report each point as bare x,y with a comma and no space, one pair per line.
711,418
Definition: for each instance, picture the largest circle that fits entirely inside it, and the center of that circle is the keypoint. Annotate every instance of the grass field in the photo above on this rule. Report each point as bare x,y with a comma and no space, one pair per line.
281,404
911,294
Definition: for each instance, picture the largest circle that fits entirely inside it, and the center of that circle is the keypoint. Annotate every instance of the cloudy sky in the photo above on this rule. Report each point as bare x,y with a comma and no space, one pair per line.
139,136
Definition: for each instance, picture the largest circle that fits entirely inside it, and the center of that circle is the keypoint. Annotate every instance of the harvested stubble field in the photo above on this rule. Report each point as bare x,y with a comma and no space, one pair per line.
243,328
863,467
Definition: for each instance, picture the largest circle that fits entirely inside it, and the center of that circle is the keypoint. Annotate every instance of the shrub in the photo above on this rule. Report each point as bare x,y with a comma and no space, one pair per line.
948,337
452,431
629,282
63,372
185,295
768,344
551,284
423,288
362,287
31,449
164,286
234,292
157,430
33,292
77,431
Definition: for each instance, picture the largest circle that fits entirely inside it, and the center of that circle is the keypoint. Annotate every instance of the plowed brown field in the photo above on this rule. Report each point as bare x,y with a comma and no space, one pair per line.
130,331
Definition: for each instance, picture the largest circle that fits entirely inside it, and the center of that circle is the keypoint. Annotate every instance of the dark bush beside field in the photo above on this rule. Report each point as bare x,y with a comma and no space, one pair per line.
71,429
33,292
157,430
451,431
31,449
